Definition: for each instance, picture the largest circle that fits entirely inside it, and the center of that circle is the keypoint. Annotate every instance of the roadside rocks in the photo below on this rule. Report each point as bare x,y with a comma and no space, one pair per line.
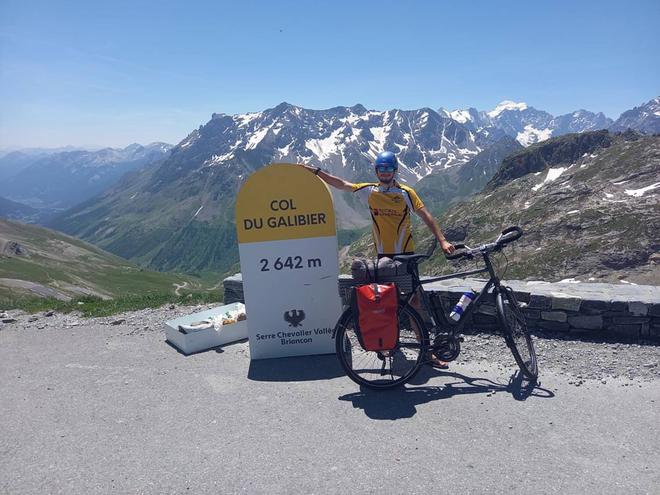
5,317
580,361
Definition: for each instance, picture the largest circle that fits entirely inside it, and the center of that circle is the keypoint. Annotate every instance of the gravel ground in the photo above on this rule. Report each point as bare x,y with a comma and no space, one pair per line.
578,360
104,405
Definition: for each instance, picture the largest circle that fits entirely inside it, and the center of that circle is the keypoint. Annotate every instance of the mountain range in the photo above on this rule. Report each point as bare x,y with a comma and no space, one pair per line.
55,181
177,213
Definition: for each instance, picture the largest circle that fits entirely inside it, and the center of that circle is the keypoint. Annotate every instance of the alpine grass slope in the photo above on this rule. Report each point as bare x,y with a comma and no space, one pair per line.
38,262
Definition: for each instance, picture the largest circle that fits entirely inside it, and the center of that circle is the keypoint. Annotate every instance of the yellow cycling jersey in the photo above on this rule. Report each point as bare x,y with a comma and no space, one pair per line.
390,208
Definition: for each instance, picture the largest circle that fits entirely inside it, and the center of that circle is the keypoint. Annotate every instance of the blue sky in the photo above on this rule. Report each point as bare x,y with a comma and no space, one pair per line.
111,73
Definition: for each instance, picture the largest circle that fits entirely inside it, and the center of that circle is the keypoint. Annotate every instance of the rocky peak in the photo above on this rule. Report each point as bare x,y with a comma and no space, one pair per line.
564,149
644,118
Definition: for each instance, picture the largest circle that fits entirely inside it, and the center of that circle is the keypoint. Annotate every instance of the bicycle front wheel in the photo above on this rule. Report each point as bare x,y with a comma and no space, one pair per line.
516,333
382,369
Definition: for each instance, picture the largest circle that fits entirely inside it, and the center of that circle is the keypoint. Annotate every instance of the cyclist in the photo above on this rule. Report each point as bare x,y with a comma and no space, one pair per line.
390,204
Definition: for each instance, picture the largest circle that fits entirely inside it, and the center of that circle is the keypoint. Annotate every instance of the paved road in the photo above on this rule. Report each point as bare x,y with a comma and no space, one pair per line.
109,409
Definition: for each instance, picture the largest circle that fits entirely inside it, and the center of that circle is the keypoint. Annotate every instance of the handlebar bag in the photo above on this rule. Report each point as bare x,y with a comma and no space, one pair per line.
375,310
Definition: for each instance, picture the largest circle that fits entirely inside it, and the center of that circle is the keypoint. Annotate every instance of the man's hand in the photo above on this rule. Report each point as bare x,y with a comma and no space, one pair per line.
447,246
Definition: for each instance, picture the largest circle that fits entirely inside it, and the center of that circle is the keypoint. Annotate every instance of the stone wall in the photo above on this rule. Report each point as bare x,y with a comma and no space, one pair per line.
598,311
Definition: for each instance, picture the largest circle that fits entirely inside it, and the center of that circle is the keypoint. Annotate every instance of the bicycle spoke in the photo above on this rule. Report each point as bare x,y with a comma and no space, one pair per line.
383,369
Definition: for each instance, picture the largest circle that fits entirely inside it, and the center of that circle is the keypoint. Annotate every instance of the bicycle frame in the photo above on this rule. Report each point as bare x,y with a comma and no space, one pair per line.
438,317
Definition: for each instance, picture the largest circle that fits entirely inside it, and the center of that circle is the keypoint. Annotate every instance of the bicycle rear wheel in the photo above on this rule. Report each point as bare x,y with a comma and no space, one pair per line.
384,369
516,333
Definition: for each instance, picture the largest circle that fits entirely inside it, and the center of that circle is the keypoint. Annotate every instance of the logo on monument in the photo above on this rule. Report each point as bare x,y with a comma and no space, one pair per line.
294,317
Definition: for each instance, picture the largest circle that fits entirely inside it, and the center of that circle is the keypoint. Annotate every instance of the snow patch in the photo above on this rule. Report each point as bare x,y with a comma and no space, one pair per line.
531,135
285,151
553,174
569,281
323,148
215,159
572,212
245,118
189,140
256,138
197,212
506,105
638,193
350,119
460,116
380,135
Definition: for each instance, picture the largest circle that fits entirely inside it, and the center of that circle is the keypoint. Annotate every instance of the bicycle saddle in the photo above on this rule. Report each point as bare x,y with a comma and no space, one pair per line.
409,257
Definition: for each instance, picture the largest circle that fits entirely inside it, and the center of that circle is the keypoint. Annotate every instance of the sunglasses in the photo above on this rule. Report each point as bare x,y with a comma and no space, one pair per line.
385,169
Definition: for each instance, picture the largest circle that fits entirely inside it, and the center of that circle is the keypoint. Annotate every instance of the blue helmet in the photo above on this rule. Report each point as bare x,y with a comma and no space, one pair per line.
386,158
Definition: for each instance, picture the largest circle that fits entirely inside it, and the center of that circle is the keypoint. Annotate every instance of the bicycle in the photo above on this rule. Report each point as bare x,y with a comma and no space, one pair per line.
389,369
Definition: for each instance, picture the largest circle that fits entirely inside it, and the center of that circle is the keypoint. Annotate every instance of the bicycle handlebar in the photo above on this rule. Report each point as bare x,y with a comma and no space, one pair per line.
507,236
460,251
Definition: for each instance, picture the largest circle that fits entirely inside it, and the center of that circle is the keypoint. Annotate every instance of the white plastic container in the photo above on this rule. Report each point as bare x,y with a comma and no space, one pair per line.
201,340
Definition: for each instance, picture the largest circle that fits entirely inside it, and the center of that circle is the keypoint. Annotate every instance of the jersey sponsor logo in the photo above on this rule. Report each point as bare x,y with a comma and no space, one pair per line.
386,212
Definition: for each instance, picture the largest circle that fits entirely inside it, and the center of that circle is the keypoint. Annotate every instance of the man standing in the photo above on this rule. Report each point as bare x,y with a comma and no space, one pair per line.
390,204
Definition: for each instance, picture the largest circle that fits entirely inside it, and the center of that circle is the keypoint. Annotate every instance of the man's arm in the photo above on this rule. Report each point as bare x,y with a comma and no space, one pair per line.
337,182
424,214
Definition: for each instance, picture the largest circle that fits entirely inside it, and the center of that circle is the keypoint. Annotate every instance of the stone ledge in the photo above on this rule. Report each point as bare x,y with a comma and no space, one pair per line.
608,311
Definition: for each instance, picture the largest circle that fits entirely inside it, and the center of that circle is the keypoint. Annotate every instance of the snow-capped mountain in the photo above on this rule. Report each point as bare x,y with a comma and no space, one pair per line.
527,124
342,139
644,118
60,180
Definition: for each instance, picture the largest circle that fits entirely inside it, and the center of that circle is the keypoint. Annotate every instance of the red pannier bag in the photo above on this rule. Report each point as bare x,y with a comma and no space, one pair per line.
376,308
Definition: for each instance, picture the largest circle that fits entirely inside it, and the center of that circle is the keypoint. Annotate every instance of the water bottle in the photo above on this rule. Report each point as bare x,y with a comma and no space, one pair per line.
461,305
